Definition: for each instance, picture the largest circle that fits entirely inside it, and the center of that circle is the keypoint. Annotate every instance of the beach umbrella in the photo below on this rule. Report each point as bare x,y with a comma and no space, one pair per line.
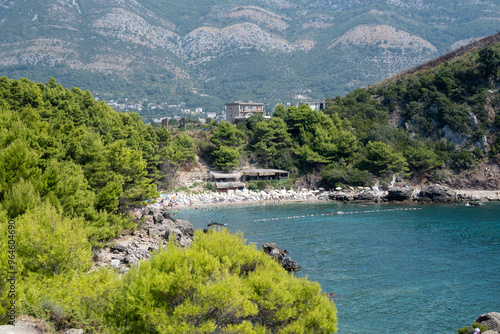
338,188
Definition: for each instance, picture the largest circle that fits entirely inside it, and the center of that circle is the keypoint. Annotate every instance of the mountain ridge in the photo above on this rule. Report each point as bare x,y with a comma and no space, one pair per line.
146,49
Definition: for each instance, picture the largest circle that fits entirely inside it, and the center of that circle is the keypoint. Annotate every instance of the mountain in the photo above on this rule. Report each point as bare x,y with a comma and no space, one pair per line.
203,53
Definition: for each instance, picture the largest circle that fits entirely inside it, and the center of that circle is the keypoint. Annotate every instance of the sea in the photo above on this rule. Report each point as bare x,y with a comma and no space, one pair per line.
394,268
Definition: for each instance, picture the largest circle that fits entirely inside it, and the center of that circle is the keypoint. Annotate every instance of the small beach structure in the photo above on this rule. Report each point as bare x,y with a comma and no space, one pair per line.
215,176
226,181
224,187
264,174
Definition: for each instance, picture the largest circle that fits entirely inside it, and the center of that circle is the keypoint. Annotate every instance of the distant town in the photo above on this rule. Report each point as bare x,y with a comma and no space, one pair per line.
232,112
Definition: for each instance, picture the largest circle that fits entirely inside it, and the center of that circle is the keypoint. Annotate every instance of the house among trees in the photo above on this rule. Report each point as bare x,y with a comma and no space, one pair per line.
314,105
239,111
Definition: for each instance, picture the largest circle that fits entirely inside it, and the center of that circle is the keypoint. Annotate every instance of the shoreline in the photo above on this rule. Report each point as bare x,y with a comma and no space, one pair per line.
173,201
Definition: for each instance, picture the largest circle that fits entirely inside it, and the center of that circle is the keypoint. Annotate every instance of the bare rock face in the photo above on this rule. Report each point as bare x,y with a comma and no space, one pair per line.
437,194
492,320
159,227
276,253
399,194
365,197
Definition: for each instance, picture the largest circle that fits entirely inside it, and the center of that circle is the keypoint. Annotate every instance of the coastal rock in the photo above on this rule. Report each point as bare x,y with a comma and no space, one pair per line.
74,331
365,196
437,194
339,197
289,264
323,197
399,194
119,248
492,320
130,249
275,252
114,264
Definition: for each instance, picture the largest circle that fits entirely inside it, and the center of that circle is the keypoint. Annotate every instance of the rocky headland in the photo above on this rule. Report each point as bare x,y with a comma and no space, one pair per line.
157,229
427,194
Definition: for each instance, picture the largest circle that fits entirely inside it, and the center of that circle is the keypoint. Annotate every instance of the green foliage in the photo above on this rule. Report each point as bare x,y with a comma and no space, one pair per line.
251,186
269,139
422,159
336,175
78,154
381,158
20,198
51,244
181,152
210,186
470,330
226,158
218,284
182,188
462,160
225,134
489,59
73,300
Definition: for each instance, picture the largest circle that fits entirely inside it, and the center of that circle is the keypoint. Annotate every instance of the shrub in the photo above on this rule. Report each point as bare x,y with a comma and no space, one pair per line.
182,188
470,330
252,186
210,186
218,284
261,185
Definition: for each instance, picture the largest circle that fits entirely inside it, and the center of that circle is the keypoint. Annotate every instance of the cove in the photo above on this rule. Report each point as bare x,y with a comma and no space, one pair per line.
394,268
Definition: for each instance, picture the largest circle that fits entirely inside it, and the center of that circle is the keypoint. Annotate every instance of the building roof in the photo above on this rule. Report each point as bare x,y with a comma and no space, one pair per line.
227,185
221,175
245,104
263,172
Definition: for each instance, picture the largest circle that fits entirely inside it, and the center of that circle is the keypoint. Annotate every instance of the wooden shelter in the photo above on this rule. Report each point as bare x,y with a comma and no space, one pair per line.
264,174
225,186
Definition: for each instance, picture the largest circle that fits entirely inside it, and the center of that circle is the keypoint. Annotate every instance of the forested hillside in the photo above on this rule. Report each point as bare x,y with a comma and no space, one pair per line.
430,125
65,151
72,167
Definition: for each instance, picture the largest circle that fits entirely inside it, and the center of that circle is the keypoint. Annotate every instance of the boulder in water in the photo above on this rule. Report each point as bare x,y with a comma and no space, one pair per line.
275,252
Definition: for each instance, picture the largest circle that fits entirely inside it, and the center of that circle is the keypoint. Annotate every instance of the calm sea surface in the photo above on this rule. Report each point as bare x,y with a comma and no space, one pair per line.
395,269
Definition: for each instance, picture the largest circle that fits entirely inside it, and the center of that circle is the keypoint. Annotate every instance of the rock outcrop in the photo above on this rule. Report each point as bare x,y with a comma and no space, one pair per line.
339,197
399,194
130,248
492,320
281,256
437,194
365,196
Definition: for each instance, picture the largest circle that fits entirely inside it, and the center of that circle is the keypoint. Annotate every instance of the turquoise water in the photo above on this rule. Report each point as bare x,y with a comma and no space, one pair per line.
429,270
